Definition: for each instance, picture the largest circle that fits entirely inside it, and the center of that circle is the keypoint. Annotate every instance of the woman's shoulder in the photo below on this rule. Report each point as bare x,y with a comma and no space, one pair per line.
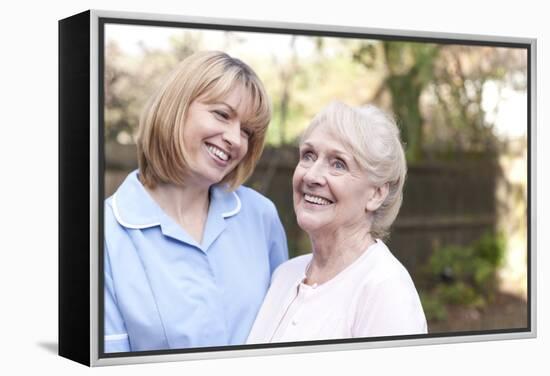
384,266
129,207
128,187
109,215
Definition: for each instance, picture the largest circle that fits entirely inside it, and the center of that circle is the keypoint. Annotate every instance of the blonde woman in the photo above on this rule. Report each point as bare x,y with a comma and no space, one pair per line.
188,251
347,192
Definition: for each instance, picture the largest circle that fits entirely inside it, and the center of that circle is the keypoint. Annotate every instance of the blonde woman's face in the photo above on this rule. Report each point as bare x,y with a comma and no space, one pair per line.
215,138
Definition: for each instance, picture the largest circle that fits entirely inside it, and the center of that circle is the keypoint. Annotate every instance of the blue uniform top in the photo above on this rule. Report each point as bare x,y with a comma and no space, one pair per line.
163,290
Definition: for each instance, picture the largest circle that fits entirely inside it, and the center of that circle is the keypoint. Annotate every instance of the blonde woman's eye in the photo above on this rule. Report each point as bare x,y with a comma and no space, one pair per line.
247,132
221,114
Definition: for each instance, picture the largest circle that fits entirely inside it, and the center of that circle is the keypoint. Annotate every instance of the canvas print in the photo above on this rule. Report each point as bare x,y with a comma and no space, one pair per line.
267,188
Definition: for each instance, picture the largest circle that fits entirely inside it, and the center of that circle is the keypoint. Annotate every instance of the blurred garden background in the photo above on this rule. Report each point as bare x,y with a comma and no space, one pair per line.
462,111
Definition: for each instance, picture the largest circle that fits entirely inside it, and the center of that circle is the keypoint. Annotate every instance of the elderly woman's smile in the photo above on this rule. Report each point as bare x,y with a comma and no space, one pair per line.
317,200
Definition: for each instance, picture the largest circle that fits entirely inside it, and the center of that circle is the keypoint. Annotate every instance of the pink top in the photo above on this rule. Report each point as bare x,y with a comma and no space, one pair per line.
374,296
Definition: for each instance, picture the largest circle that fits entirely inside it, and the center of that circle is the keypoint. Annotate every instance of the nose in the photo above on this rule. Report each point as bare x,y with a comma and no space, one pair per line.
315,174
232,134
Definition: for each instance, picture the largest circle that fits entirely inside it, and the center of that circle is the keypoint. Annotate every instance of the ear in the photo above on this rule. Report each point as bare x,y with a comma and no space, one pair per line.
378,196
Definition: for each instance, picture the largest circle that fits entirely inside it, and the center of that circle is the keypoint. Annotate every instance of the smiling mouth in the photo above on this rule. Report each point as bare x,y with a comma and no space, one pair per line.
316,200
218,153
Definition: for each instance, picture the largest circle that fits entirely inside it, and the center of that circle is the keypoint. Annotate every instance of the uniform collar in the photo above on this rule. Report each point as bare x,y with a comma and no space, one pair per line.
134,208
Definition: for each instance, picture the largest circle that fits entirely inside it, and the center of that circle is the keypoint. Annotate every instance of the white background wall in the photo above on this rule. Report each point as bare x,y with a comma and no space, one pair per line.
28,203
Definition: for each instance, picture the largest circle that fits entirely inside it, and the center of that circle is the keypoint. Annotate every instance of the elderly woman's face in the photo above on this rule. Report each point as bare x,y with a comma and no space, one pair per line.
215,138
331,190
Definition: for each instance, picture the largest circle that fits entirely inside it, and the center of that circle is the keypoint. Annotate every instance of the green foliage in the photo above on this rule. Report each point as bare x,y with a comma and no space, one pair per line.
433,308
491,248
460,293
464,275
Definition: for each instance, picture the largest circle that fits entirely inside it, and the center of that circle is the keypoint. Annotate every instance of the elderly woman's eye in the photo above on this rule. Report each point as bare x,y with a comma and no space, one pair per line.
339,165
307,156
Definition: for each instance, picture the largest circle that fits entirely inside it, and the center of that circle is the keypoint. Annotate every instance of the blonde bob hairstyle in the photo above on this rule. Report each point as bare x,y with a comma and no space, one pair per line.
208,76
372,136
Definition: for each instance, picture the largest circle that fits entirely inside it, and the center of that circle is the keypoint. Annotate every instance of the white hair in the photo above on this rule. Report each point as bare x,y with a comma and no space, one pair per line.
373,138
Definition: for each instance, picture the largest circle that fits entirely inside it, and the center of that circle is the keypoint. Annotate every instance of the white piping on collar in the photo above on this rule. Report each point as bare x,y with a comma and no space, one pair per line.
236,210
126,224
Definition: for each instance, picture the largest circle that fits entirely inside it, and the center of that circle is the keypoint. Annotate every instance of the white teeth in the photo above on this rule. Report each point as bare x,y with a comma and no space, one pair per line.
316,200
219,153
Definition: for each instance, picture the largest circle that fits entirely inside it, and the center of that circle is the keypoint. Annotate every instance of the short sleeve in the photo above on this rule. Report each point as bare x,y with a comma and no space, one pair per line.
278,248
391,307
116,336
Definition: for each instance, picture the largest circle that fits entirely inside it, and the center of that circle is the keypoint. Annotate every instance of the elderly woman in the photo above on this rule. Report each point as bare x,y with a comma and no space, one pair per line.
347,192
188,252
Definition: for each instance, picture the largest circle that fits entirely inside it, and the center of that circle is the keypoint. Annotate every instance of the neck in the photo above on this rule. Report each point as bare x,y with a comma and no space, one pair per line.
187,205
333,251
